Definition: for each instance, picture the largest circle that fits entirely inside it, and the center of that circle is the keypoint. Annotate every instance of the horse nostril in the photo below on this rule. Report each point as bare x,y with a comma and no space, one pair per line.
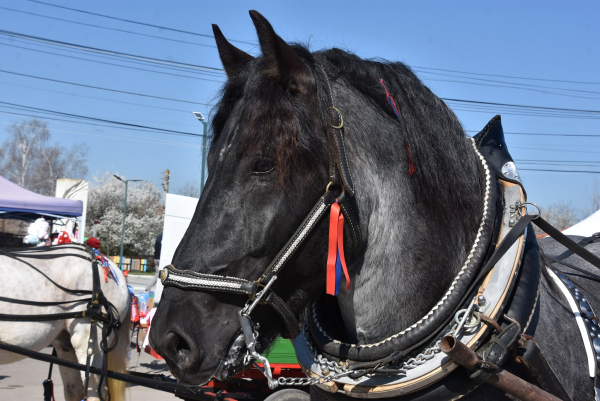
181,351
181,347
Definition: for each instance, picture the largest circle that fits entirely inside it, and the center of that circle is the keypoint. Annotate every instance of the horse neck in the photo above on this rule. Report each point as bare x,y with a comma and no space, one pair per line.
410,258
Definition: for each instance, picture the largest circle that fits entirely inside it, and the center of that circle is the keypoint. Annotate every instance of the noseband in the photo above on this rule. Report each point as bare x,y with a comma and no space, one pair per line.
259,291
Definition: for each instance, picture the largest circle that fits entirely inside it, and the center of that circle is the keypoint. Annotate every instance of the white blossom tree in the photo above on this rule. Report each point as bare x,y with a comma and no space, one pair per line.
144,218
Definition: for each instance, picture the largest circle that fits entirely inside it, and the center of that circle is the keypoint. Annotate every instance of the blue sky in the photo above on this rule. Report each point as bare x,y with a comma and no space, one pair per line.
445,42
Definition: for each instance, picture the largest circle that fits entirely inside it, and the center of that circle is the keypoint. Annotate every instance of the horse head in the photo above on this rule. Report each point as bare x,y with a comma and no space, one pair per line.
269,162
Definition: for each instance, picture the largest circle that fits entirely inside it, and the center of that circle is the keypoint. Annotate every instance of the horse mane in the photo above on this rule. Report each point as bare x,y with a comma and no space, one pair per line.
276,121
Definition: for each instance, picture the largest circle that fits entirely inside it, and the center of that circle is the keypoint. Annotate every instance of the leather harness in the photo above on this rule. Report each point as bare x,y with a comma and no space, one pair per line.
517,295
110,319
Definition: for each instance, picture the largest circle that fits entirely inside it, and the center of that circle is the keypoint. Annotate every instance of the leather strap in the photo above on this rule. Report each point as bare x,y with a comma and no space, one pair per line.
337,123
291,323
158,382
187,279
538,370
351,221
309,223
583,243
496,351
566,241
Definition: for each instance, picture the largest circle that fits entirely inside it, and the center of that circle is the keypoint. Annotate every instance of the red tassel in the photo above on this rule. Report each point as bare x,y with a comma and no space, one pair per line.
332,253
340,245
411,166
336,246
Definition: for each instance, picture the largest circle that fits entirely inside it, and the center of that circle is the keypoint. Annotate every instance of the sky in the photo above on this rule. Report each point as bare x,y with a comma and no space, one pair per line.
91,68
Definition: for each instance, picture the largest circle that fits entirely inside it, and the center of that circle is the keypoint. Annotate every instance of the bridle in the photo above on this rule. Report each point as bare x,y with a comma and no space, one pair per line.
259,291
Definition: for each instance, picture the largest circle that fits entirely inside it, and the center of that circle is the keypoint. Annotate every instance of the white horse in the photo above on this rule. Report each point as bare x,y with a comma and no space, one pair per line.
68,266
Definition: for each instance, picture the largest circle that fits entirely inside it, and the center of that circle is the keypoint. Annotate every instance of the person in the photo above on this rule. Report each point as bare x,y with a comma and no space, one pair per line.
157,249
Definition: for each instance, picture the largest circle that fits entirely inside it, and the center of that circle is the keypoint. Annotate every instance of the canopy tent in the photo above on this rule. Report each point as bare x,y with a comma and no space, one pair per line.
19,203
587,227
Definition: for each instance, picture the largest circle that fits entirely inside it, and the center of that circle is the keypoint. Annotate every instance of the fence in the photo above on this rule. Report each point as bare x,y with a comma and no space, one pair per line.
136,265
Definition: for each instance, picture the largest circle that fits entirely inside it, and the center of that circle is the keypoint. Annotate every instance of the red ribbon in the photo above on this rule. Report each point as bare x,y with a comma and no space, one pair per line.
336,248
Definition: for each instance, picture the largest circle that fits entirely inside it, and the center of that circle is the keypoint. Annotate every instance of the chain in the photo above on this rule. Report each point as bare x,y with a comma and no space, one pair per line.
465,321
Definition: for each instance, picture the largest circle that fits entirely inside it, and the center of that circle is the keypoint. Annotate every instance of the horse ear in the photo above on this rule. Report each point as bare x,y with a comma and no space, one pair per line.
231,57
282,62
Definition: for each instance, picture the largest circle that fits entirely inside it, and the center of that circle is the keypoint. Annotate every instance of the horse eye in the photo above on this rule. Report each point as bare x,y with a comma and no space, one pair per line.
263,166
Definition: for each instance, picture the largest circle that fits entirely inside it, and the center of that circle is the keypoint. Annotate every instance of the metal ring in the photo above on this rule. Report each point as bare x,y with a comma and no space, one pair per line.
341,119
539,214
329,186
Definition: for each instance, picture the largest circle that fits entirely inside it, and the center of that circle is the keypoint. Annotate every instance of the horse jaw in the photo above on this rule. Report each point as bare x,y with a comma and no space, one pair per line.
233,361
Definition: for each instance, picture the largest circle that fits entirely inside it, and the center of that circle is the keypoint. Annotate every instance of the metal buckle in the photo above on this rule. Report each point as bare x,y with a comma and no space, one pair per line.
341,119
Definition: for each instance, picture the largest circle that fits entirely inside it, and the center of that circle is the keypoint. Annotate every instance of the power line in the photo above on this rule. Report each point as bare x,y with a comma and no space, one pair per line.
508,82
97,98
144,140
216,74
520,105
116,65
74,120
104,89
540,134
560,171
506,76
513,87
137,22
102,120
109,52
104,27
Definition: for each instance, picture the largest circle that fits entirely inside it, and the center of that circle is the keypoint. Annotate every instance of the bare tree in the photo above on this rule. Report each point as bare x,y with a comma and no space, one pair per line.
29,160
594,202
560,214
21,150
191,188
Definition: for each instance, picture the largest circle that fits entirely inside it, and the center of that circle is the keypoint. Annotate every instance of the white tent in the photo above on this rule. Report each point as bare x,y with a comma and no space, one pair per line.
178,215
585,228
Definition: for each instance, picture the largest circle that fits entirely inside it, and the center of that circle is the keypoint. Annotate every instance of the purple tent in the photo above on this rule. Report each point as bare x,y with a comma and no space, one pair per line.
15,200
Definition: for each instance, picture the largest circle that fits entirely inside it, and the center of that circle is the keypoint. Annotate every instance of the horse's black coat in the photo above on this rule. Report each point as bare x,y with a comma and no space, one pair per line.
268,164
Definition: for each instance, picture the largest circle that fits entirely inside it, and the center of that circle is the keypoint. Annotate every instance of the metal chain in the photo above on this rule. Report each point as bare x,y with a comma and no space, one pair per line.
466,320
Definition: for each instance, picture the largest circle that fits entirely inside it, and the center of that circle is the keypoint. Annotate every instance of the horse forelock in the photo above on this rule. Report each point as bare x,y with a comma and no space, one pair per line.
275,123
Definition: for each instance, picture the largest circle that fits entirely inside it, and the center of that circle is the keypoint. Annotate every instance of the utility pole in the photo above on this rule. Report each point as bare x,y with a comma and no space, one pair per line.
124,215
165,185
200,118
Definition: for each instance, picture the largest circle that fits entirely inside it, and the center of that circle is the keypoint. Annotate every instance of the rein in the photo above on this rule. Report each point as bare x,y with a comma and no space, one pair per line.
110,319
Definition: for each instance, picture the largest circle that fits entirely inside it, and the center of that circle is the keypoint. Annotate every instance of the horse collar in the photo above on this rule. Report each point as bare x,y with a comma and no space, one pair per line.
319,352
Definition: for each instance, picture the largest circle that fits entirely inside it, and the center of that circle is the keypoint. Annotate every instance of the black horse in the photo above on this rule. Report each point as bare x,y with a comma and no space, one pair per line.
423,198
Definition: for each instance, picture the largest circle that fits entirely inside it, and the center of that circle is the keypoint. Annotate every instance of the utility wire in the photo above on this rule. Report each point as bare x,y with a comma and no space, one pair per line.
508,82
74,120
116,65
101,119
527,107
215,74
97,98
104,27
104,89
540,134
520,105
143,140
507,76
136,22
110,52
